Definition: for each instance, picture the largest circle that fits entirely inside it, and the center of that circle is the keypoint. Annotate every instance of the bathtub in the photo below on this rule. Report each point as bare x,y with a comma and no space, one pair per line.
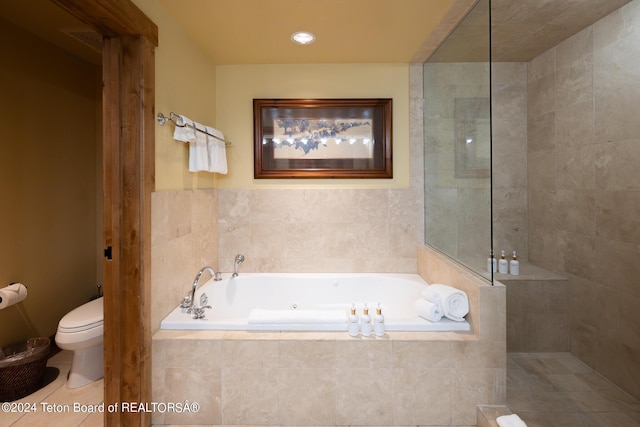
234,300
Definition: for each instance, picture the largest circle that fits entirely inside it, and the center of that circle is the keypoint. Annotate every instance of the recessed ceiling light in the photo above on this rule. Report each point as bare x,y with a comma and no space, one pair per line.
303,37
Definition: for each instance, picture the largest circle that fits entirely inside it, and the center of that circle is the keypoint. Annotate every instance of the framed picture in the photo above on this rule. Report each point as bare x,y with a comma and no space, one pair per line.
322,138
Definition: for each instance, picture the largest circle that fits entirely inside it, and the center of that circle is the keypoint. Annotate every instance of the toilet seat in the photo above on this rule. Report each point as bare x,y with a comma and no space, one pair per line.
87,316
82,327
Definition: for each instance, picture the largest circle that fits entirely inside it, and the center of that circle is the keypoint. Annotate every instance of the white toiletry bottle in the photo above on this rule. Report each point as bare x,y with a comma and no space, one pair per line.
365,322
378,322
492,263
503,265
514,265
353,325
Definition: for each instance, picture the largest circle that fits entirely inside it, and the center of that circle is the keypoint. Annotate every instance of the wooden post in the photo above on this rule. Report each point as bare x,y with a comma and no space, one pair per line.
128,171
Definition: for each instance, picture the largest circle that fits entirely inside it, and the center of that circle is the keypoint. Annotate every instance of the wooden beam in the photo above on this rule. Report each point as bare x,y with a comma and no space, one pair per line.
129,176
128,75
112,18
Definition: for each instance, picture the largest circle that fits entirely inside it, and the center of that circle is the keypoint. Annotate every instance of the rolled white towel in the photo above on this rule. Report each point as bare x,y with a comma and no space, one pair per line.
454,302
428,310
512,420
259,315
430,294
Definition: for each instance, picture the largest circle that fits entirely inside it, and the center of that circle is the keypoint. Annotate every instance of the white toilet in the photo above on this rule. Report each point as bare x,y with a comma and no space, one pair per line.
81,331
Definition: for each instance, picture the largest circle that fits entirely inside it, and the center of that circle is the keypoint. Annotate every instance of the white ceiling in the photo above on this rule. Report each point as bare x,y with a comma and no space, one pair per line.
353,31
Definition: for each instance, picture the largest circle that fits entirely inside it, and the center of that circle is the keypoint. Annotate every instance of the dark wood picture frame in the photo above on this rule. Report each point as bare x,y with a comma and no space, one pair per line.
300,138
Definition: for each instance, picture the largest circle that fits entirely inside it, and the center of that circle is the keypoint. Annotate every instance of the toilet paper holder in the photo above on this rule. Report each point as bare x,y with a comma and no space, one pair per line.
12,294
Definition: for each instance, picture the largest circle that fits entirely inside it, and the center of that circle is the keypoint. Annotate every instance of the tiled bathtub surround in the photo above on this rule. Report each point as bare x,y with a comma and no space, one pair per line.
184,239
242,378
313,230
307,229
584,198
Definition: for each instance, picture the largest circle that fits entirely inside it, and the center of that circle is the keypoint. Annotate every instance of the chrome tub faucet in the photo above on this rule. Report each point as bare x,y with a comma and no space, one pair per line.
189,300
239,260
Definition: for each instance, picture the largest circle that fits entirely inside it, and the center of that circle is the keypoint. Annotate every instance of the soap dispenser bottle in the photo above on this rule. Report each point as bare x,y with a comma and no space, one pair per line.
492,263
365,322
378,322
503,265
514,265
353,324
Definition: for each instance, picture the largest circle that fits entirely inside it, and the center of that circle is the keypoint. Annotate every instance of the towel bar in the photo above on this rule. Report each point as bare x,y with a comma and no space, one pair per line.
162,119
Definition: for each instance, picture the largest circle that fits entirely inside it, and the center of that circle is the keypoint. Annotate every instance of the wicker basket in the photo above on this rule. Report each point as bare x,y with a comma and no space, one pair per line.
22,367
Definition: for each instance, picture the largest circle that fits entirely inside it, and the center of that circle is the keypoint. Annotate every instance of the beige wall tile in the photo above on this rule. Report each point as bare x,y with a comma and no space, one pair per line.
576,47
574,124
308,354
250,354
616,165
617,214
249,396
541,132
195,385
184,235
364,354
364,396
307,396
577,211
469,385
419,396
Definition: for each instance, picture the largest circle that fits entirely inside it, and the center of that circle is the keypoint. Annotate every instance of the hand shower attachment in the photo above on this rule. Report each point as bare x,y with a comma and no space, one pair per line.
239,260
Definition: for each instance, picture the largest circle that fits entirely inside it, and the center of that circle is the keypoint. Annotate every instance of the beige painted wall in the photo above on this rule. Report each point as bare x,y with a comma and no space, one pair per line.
237,86
48,152
185,84
314,226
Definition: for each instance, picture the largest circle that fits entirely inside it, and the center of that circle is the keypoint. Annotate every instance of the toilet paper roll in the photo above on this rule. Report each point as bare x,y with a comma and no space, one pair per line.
12,294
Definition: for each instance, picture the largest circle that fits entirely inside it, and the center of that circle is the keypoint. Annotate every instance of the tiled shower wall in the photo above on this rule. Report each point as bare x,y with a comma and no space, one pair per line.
509,157
458,210
584,190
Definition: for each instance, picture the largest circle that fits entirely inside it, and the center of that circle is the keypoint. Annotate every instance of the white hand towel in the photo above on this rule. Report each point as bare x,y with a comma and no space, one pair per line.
512,420
217,152
263,316
454,302
183,131
428,310
198,152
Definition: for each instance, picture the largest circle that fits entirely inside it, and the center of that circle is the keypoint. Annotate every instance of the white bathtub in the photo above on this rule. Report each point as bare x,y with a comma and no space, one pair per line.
233,300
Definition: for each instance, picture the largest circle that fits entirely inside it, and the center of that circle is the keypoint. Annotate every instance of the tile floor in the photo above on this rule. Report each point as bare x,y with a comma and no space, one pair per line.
557,390
544,389
55,396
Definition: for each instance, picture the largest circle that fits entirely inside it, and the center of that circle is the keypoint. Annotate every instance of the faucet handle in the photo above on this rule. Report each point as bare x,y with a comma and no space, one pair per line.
204,299
186,301
198,312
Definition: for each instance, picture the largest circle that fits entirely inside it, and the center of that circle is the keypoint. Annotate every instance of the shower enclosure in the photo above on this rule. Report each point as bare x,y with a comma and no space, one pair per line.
457,153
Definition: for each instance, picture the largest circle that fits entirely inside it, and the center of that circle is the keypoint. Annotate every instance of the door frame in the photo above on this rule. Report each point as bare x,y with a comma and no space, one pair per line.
128,141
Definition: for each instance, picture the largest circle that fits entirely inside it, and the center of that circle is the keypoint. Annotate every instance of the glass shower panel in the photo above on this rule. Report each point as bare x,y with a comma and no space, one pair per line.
457,129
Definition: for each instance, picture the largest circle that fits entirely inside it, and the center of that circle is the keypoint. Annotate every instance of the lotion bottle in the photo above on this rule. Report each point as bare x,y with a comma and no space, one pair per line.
378,322
514,265
365,322
492,263
503,265
353,325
